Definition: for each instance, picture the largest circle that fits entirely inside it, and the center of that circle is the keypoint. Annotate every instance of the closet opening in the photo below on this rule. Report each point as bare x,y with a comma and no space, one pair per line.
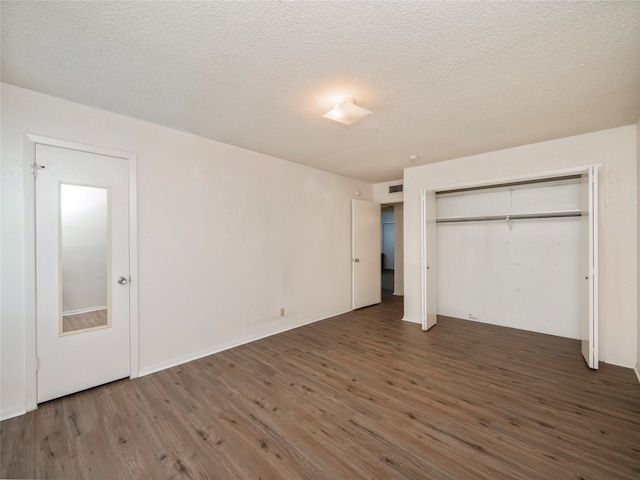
521,254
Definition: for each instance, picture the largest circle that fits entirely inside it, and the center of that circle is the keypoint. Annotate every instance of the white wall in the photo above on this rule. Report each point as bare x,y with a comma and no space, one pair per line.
521,273
84,223
618,253
285,230
381,192
386,215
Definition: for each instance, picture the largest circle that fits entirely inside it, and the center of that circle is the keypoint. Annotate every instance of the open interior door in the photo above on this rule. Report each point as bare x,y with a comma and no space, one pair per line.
82,275
366,254
589,240
429,264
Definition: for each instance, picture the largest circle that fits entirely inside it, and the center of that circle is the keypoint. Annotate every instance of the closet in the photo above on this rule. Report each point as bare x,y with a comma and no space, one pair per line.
521,254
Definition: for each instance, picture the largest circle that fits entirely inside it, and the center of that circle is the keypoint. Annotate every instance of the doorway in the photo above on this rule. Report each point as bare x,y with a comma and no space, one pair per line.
387,217
392,249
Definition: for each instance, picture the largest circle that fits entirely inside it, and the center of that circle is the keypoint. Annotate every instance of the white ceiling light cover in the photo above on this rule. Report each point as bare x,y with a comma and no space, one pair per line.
347,112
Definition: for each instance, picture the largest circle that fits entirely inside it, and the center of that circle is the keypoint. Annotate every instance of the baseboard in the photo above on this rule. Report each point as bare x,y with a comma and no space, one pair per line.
12,412
226,346
405,319
637,370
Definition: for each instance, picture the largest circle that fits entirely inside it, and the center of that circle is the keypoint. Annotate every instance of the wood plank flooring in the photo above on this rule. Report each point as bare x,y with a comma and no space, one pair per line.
80,321
361,395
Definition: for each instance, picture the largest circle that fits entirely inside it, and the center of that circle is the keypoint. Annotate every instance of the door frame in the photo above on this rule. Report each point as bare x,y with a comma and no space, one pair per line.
29,159
548,174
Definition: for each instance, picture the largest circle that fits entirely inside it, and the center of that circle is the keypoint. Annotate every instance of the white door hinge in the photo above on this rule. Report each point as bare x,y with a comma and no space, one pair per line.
37,364
35,167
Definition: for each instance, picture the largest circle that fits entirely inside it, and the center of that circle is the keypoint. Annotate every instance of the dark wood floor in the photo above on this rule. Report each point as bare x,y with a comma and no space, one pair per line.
362,395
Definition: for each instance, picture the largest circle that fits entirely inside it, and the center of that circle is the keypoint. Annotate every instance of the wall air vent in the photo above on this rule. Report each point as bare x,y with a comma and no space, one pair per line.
395,188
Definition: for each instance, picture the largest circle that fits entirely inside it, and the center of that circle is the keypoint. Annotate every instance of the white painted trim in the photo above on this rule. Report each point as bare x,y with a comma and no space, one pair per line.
31,380
594,278
226,346
637,370
80,147
353,253
12,412
617,364
83,310
29,158
423,258
133,267
405,319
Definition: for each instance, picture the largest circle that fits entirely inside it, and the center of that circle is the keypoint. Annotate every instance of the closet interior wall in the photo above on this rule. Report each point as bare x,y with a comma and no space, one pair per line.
511,255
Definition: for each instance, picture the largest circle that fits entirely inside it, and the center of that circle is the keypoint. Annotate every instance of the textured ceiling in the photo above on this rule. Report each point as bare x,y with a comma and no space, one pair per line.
443,79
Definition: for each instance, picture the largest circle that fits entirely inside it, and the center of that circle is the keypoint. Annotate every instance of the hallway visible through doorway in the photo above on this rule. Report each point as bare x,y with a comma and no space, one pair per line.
387,282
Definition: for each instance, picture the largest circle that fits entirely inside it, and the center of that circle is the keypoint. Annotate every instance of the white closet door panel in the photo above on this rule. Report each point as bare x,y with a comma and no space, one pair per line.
429,260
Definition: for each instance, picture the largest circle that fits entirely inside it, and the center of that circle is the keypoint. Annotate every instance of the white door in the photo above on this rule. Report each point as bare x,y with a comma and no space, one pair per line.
589,238
82,270
429,264
366,255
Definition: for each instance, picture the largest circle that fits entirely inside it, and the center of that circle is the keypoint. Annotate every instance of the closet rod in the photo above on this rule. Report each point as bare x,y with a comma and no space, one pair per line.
509,184
514,216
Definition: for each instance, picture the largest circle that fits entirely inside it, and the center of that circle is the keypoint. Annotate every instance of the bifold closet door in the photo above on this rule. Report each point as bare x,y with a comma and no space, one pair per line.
429,260
589,254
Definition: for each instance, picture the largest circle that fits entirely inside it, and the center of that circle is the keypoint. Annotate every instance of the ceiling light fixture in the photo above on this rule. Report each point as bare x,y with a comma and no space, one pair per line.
347,112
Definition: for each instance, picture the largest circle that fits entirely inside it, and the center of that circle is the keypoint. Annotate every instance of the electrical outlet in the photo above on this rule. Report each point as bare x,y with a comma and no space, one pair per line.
282,312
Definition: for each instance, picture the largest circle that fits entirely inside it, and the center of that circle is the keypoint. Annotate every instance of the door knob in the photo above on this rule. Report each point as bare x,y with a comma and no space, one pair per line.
122,281
356,260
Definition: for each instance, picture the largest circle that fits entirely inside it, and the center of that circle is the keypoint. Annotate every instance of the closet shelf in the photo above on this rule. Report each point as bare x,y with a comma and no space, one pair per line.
511,216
